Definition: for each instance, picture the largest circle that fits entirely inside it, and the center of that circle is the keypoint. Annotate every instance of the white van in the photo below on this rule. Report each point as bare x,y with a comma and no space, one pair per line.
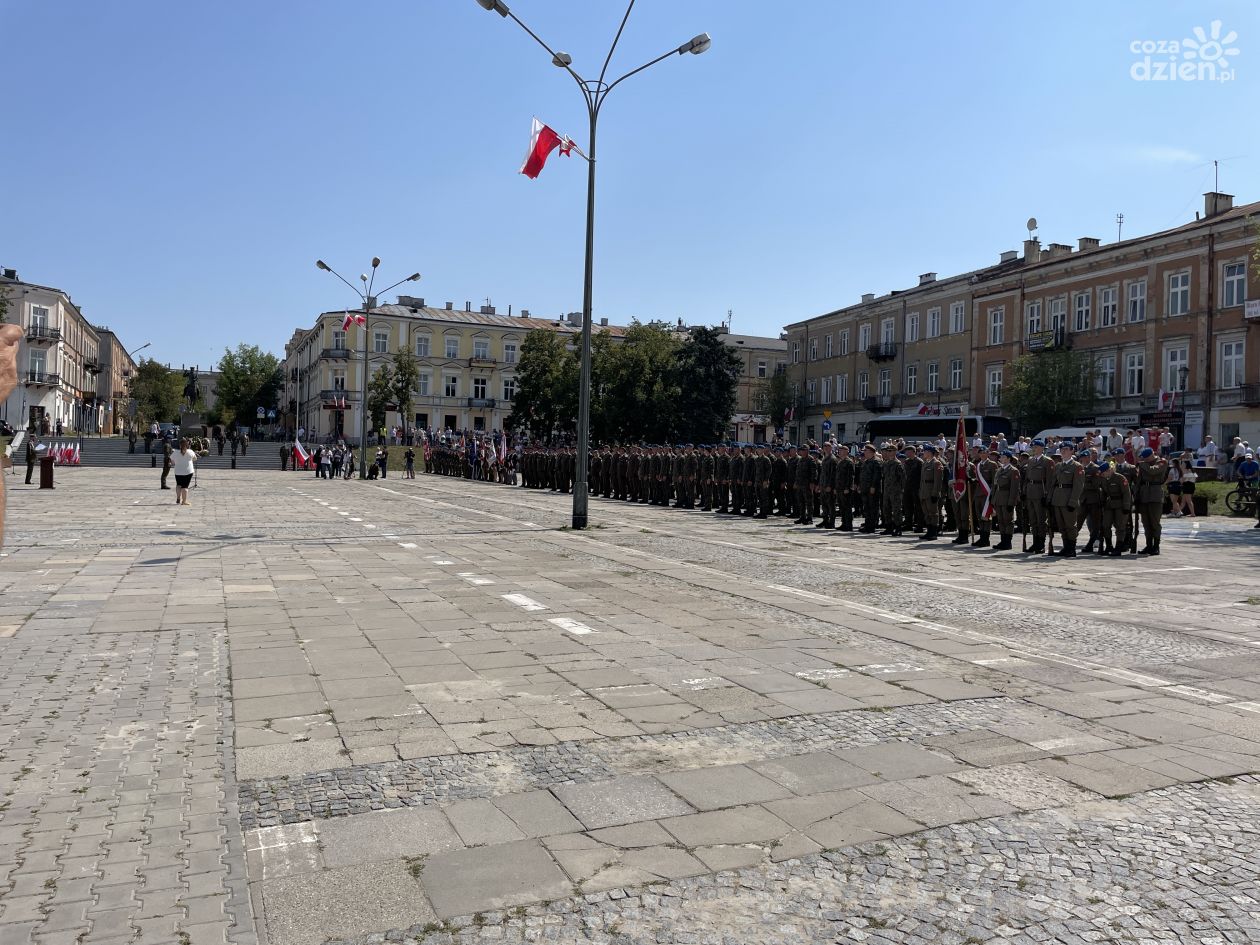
1065,433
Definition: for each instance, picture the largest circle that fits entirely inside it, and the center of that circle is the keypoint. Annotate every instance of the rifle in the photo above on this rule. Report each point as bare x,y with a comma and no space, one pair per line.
1024,529
1133,530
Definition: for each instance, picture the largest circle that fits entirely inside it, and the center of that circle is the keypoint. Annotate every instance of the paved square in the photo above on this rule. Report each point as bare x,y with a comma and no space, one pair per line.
254,719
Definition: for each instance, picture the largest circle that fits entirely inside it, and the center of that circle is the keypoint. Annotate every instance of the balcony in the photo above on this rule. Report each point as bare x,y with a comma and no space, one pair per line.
350,396
336,354
43,333
485,403
883,351
40,379
881,403
1250,394
92,366
475,362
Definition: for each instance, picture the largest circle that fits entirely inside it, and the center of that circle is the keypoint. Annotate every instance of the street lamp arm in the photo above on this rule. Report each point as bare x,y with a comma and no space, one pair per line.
612,48
351,286
646,65
554,55
414,277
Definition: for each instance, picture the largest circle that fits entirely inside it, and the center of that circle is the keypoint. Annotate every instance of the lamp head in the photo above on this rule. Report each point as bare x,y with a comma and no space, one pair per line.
376,261
494,6
363,276
562,59
414,277
320,264
697,45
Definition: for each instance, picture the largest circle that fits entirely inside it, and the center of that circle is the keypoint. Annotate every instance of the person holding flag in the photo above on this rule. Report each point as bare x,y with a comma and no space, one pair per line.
962,500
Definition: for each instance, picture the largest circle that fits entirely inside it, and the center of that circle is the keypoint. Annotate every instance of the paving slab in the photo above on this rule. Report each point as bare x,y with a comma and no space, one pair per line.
620,801
385,835
487,878
723,786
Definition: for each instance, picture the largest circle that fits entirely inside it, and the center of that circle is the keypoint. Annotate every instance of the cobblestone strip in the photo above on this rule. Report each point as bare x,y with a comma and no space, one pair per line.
1174,865
443,779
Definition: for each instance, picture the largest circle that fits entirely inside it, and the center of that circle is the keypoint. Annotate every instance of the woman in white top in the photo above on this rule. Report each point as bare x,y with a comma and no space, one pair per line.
1188,480
184,461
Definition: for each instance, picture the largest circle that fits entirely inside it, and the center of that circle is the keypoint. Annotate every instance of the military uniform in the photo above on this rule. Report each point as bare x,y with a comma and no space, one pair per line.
846,482
1152,474
1006,496
1090,512
1067,483
764,470
1117,506
913,508
827,489
932,483
1038,469
869,478
806,478
892,491
984,468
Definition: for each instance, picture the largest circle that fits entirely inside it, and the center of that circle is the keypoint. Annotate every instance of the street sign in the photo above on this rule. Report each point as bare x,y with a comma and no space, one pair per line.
262,412
826,414
826,425
271,415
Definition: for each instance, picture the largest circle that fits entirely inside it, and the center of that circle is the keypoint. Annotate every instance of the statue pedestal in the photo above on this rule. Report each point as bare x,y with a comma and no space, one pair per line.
190,424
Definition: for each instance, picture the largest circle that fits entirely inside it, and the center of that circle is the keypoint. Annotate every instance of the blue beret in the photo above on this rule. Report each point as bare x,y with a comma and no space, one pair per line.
929,449
1102,464
1007,453
1038,442
1118,451
1147,452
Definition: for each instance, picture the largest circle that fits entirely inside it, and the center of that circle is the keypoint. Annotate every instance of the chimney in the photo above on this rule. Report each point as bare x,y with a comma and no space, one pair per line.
524,313
1032,251
1055,250
450,306
1087,243
1215,204
1009,255
11,274
468,306
868,297
410,301
927,277
603,322
487,310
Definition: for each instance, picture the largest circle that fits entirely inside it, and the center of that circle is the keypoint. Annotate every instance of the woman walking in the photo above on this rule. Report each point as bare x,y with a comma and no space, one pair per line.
1174,488
1188,479
184,461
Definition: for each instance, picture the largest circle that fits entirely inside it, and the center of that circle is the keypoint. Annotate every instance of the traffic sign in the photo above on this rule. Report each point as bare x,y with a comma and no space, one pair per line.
262,412
827,414
271,415
826,425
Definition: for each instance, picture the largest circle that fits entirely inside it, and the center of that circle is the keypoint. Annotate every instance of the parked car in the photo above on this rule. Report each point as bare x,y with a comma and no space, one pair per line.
7,429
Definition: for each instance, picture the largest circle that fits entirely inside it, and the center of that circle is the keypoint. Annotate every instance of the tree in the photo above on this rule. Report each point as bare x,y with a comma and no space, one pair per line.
546,385
706,375
158,392
1050,388
634,387
249,378
404,377
380,395
778,397
4,305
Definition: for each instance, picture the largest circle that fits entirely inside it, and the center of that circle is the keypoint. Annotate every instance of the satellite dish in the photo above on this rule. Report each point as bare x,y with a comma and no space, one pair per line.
1031,224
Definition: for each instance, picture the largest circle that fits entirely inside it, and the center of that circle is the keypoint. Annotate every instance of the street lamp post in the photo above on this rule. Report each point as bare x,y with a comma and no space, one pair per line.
368,301
593,92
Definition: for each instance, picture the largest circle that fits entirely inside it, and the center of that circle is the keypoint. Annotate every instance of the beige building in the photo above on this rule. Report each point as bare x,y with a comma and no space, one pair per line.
1168,311
117,368
760,359
58,360
466,359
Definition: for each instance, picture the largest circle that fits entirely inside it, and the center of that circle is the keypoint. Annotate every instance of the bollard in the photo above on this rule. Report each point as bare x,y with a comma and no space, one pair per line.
46,472
233,462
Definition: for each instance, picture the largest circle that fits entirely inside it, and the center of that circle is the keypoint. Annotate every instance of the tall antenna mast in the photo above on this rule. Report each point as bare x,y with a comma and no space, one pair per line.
1216,171
1119,225
730,320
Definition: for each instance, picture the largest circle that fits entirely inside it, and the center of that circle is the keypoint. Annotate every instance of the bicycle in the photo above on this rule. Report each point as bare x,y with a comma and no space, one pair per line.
1242,499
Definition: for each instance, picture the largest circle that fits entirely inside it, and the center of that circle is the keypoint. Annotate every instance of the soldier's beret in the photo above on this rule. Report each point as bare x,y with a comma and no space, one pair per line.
1147,452
929,448
1083,454
1039,442
1007,453
1118,451
1066,446
1103,464
869,446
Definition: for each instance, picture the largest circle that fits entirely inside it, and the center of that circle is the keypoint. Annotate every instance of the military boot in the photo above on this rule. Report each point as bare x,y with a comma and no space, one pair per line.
963,539
983,540
1089,545
930,535
1003,545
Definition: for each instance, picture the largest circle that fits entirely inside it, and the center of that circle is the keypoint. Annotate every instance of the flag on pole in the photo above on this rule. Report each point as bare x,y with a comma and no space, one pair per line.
960,461
353,318
986,510
923,409
300,456
542,141
1172,400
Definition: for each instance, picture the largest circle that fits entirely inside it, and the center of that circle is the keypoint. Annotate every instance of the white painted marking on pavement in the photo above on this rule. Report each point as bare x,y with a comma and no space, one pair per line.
564,623
472,578
355,519
406,544
527,603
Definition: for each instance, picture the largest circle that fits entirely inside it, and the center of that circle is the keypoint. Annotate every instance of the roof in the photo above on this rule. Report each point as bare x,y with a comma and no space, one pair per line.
755,341
455,316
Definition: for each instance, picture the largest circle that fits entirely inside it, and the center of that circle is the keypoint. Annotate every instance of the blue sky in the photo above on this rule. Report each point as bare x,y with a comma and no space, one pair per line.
179,167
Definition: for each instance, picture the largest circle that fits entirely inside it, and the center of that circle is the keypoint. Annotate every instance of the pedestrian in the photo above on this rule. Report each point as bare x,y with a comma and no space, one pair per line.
131,439
184,461
167,462
32,453
1152,474
325,463
10,336
409,472
244,443
382,460
1189,479
284,457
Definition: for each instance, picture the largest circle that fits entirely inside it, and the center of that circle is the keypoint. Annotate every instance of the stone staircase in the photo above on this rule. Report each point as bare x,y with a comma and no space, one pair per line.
112,451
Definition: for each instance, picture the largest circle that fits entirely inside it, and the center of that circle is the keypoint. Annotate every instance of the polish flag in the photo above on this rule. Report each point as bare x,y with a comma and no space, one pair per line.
960,461
542,141
300,456
923,409
353,318
987,510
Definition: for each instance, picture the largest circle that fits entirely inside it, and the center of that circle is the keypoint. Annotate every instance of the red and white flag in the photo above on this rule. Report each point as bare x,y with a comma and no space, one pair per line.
542,141
923,409
960,461
300,456
353,318
986,510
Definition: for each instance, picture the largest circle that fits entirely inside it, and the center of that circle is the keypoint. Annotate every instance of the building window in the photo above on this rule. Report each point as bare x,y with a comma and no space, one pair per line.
780,367
956,310
934,377
813,349
864,385
1179,293
452,347
1231,364
451,387
509,353
481,350
422,346
864,336
934,323
844,342
993,387
796,352
380,342
1058,313
762,401
912,379
888,330
509,388
885,382
1081,309
811,393
912,327
1134,371
1137,301
422,384
339,339
1174,360
339,379
39,316
1234,292
479,388
842,388
827,346
997,320
826,390
1108,307
1105,376
761,368
955,374
1033,312
37,361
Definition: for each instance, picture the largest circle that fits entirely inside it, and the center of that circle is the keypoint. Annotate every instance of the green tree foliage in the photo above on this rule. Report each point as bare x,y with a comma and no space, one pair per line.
1049,389
634,385
158,392
404,377
249,378
546,386
706,375
380,395
778,397
4,306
